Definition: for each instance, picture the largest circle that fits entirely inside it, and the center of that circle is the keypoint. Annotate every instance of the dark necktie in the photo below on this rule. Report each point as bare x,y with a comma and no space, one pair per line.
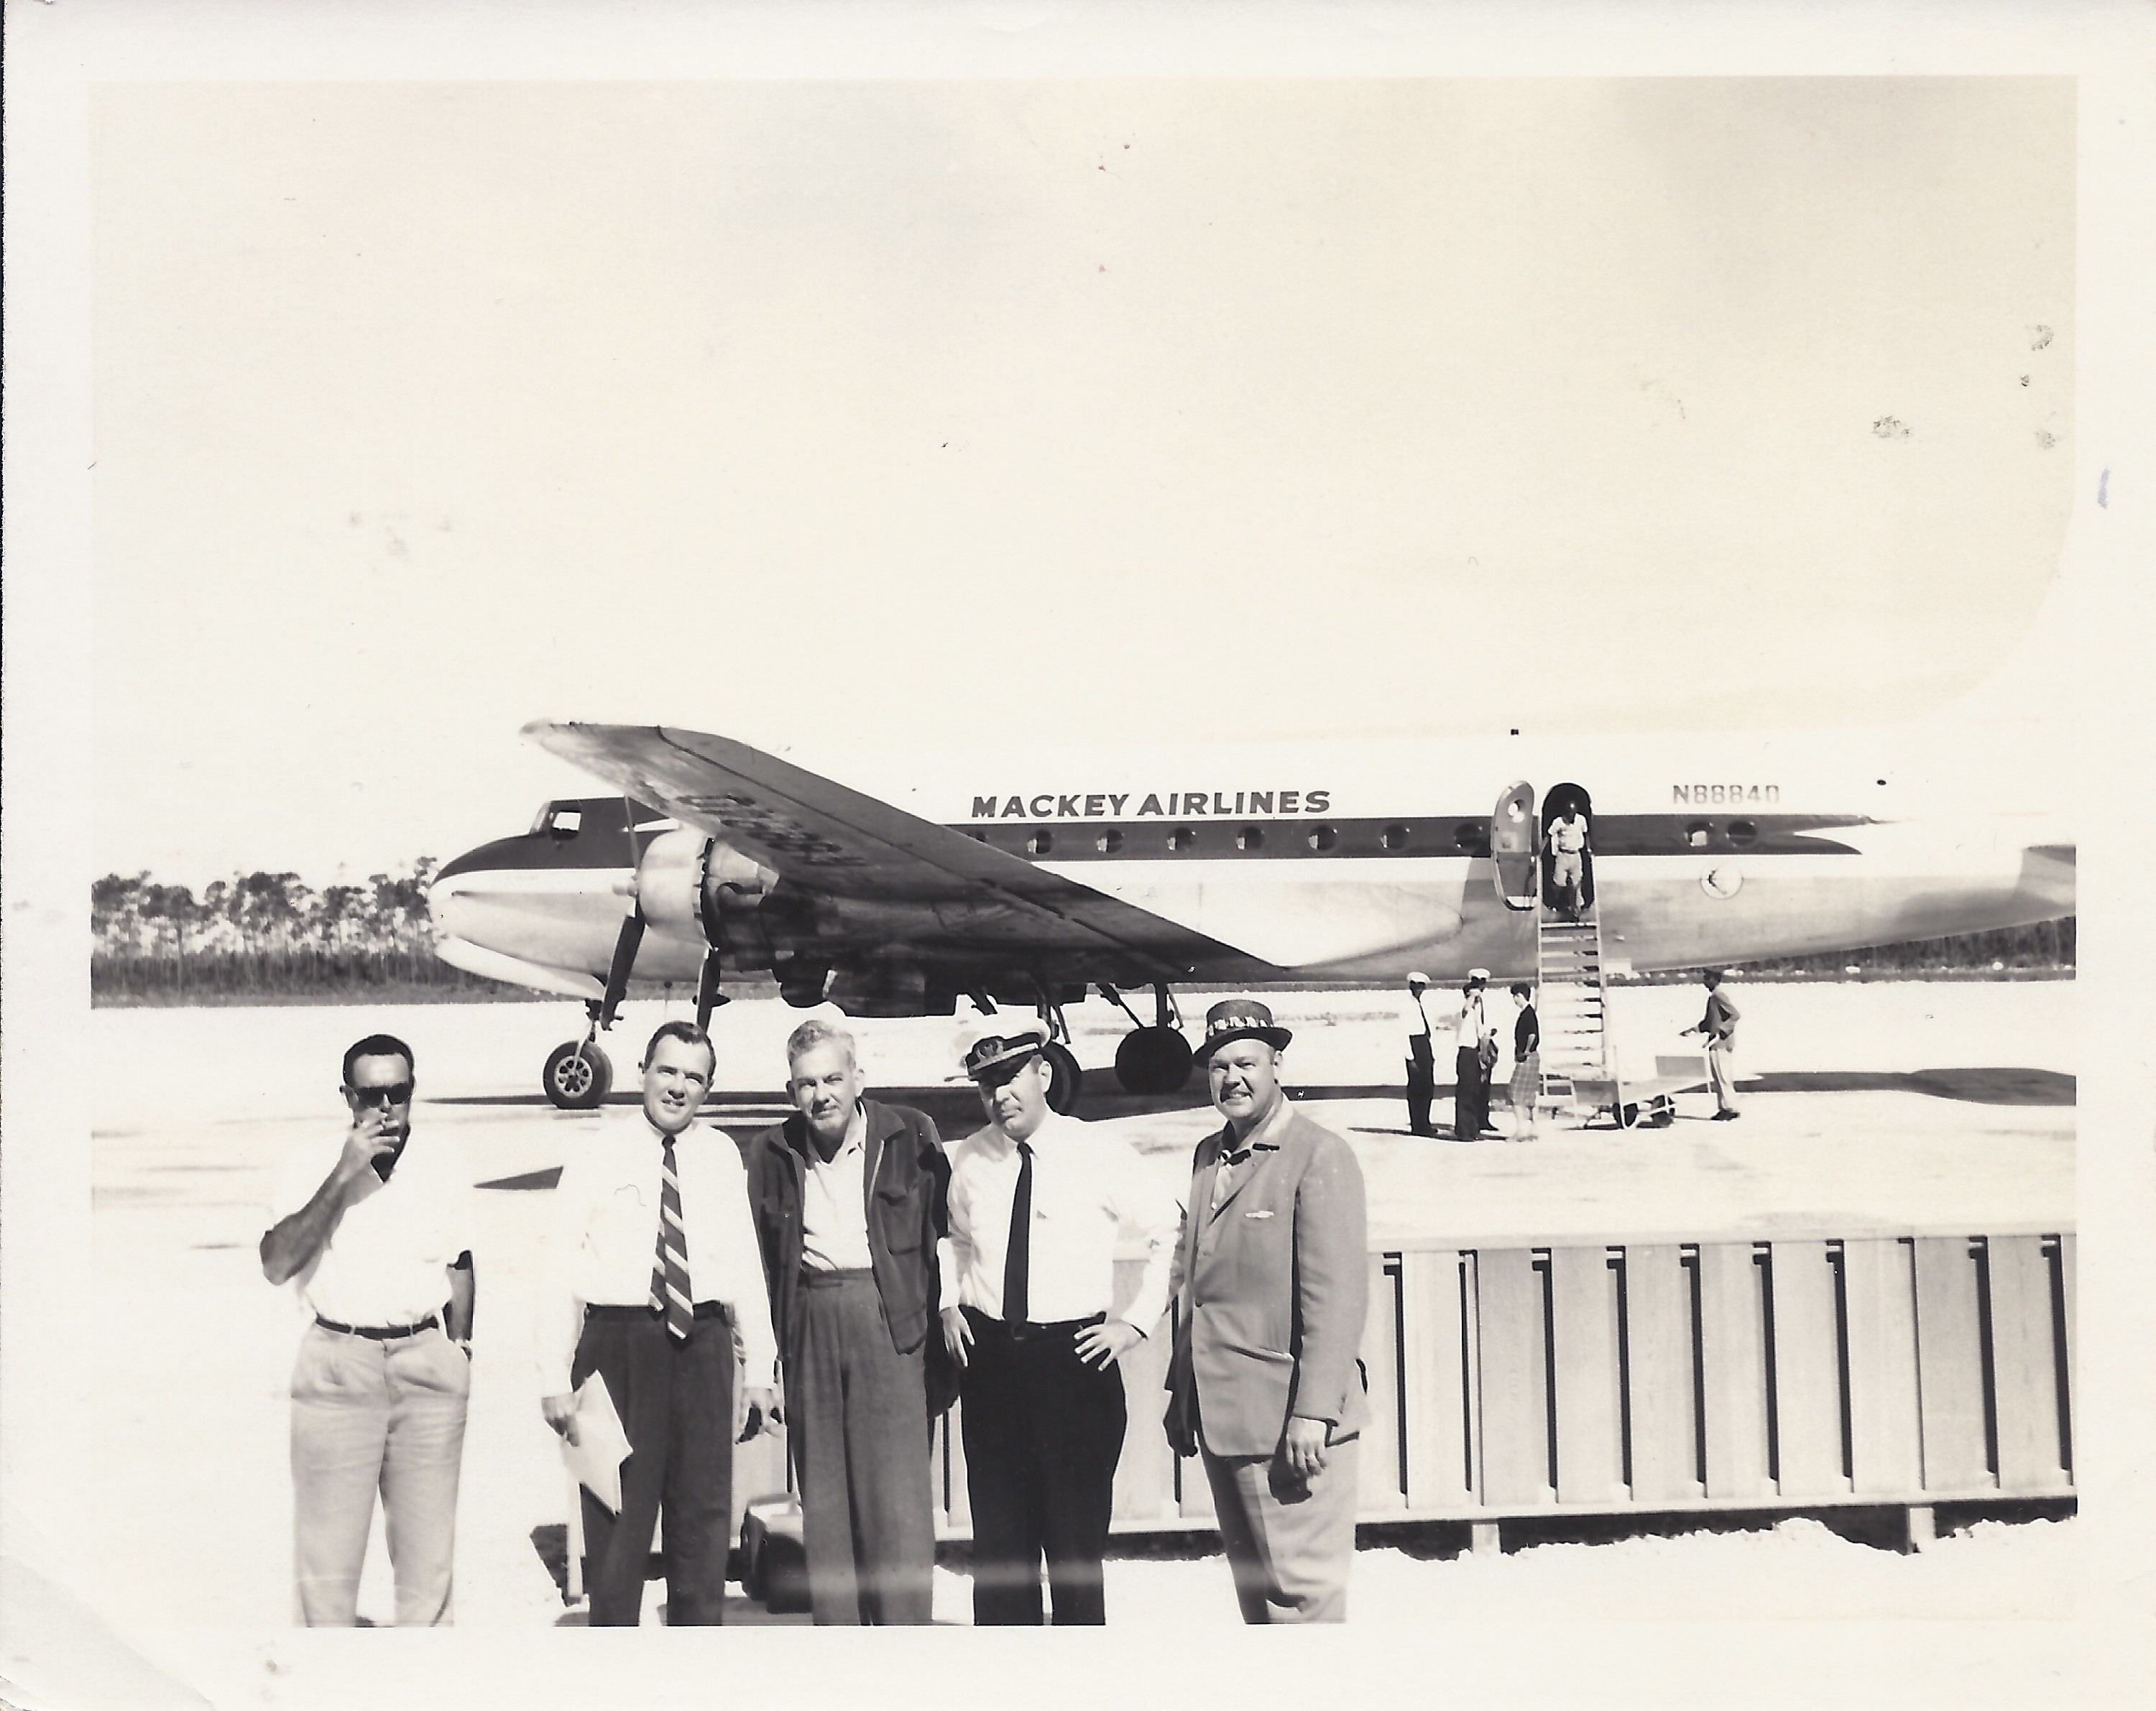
1018,1254
670,1269
1221,1183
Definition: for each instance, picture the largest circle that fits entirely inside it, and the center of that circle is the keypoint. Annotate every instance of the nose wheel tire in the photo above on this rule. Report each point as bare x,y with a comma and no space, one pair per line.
577,1076
1153,1061
1062,1077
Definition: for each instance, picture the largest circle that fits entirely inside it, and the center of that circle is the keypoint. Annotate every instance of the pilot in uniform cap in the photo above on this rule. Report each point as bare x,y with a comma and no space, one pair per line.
993,1042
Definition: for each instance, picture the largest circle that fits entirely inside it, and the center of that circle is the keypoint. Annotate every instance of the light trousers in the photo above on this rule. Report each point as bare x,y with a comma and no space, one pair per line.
369,1416
1289,1543
1721,1071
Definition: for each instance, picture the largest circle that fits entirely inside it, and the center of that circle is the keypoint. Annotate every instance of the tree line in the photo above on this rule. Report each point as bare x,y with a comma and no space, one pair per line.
271,938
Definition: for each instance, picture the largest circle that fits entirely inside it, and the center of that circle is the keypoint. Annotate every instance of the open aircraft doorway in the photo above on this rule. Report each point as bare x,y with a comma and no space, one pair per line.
1561,800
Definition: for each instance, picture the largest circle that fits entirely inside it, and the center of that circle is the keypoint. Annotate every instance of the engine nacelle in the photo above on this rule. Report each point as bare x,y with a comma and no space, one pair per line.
687,884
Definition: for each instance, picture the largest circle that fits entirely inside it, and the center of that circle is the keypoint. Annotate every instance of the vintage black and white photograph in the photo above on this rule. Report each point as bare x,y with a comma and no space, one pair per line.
1003,830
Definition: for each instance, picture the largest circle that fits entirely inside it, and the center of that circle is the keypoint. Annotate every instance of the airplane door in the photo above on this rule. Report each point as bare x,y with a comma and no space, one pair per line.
1513,846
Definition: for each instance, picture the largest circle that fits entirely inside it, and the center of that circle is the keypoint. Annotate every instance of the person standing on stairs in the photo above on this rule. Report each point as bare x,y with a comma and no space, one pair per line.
1568,854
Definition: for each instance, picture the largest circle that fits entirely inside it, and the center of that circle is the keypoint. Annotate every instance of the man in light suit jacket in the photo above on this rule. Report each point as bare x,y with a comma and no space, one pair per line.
1272,1283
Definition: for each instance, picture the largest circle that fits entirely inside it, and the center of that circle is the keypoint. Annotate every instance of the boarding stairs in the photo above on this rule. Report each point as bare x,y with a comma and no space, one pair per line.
1578,1076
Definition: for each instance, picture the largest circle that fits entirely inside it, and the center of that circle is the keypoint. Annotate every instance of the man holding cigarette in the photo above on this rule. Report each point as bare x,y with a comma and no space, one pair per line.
372,1231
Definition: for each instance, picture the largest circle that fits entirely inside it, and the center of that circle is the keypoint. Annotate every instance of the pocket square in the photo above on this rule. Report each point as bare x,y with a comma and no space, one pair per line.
1257,1215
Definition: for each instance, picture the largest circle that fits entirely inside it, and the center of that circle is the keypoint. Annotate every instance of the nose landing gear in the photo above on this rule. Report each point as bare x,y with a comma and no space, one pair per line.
577,1075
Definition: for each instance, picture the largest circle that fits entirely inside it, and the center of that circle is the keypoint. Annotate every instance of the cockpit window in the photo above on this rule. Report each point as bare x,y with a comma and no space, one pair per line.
563,820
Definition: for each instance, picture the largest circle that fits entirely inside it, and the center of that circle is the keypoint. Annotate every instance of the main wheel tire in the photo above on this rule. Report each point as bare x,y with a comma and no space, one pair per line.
1627,1117
577,1077
1153,1061
1062,1078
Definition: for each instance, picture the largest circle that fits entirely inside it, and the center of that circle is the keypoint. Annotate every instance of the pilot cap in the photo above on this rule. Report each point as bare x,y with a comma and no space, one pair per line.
1418,978
1481,974
1240,1018
994,1041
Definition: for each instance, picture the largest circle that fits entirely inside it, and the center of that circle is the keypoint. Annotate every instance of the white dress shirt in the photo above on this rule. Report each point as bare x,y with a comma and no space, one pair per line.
835,1212
1086,1184
605,1237
1414,1018
388,1258
1473,1024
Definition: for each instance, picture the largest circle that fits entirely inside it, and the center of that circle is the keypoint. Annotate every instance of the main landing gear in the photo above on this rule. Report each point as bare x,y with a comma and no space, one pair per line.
1151,1059
578,1075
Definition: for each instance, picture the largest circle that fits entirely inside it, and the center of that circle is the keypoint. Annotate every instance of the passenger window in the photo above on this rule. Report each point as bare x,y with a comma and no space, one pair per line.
1108,842
1743,832
1697,833
1040,843
1394,837
1182,838
1323,838
1249,838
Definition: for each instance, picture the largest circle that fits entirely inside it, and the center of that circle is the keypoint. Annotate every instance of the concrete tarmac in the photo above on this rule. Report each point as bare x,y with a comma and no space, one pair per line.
1883,1106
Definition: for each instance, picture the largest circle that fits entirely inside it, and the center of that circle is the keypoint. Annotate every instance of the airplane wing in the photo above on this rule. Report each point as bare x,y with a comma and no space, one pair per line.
822,835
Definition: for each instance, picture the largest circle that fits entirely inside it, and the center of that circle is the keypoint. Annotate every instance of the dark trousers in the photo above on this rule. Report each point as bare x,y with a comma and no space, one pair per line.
857,1412
676,1403
1422,1082
1042,1432
1470,1095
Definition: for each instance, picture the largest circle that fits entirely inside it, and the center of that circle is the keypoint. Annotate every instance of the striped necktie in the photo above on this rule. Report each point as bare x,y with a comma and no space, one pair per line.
1018,1256
669,1270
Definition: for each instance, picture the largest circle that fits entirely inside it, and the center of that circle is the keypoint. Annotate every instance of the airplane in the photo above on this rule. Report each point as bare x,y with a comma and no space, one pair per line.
1030,883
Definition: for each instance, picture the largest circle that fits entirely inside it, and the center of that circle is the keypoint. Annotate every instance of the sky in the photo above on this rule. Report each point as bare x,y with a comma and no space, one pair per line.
976,413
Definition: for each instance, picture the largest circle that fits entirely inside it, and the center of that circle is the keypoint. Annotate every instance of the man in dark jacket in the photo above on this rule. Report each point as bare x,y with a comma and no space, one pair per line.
849,1200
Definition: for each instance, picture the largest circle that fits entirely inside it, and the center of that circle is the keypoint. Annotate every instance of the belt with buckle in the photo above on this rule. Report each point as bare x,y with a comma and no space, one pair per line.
1027,1329
378,1333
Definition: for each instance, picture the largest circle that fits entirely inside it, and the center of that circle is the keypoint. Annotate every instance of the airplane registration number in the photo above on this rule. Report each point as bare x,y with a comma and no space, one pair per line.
1723,795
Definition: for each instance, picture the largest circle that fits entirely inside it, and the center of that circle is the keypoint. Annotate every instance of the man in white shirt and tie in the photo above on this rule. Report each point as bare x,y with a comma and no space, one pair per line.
1036,1203
1473,1051
1422,1056
652,1272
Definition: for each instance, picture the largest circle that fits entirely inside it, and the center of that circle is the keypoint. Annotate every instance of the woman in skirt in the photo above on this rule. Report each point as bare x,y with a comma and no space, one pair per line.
1527,1062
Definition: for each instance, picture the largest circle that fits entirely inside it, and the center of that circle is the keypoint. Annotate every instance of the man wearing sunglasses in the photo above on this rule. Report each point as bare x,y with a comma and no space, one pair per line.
372,1233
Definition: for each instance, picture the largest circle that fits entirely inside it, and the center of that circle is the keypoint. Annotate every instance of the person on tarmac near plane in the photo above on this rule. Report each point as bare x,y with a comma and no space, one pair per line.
1037,1202
652,1274
1474,1050
372,1230
1271,1289
1718,1026
848,1194
1422,1059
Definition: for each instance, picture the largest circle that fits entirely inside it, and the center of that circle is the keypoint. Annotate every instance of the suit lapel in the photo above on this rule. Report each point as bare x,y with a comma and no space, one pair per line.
871,1155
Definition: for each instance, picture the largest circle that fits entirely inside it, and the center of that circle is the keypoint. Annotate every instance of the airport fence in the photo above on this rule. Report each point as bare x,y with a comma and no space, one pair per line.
1592,1378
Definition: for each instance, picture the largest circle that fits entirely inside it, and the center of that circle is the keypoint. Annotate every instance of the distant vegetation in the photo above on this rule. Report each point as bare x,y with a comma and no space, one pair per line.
268,938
